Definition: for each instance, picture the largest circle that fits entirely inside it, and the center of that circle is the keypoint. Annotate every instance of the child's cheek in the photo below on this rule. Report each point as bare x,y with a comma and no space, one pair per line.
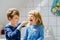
14,22
29,18
34,20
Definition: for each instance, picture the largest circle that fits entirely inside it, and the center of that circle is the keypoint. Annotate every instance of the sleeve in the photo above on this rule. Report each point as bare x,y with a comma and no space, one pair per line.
41,37
19,26
9,33
26,35
54,4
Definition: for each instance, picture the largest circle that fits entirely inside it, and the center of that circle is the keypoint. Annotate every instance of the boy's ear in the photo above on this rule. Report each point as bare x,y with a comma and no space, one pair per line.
9,18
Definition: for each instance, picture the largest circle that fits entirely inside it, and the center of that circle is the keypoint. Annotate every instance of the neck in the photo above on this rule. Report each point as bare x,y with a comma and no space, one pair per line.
13,25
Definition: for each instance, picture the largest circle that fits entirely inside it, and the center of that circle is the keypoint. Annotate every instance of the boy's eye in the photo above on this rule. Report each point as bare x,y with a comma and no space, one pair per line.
16,17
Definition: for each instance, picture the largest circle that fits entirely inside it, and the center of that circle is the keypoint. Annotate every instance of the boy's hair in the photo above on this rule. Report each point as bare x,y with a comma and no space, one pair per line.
11,12
37,16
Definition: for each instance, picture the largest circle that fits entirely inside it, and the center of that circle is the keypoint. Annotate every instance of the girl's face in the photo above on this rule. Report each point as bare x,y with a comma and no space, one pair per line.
31,19
14,20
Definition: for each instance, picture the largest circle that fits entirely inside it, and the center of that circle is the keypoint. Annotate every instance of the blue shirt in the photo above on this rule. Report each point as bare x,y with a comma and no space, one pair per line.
34,33
12,33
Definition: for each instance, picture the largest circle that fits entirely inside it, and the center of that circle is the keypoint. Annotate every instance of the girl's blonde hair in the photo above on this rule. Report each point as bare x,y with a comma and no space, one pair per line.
37,16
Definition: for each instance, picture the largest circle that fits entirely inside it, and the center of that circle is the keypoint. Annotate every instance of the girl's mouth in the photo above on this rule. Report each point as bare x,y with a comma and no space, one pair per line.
31,20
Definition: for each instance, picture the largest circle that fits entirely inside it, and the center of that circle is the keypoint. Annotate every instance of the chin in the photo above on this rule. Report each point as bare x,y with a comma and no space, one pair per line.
15,24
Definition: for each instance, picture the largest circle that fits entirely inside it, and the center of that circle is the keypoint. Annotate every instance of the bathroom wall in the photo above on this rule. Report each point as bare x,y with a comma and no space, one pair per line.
24,6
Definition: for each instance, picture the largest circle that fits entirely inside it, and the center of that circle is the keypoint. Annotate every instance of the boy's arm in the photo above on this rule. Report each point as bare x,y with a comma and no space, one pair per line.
41,34
26,35
22,25
9,33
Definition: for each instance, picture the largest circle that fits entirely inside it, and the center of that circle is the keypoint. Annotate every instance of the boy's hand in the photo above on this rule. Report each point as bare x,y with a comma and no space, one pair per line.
22,24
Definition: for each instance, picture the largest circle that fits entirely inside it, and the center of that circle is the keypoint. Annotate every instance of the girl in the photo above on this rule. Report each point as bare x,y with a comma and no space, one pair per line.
34,30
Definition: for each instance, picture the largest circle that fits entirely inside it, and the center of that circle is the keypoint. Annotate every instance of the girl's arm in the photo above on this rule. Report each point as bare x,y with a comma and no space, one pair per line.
26,35
41,37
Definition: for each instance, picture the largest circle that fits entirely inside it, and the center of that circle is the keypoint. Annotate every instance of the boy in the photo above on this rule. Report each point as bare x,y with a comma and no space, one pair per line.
12,31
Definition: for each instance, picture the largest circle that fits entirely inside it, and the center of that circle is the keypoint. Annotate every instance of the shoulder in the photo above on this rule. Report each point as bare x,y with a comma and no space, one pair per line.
7,25
40,27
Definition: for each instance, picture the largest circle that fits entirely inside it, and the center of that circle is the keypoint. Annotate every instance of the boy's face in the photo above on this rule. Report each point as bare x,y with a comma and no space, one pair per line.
14,20
31,19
